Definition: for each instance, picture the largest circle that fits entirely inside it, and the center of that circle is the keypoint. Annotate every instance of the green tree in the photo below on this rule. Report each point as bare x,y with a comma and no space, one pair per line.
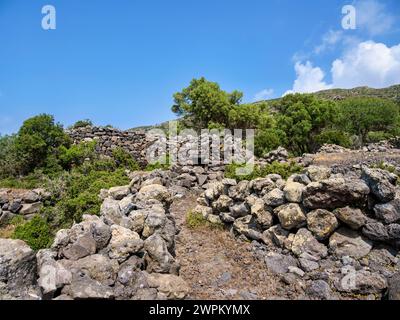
203,102
303,117
37,142
362,115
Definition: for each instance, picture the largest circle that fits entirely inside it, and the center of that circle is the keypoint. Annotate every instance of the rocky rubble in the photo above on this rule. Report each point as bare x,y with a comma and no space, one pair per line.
25,203
334,236
127,252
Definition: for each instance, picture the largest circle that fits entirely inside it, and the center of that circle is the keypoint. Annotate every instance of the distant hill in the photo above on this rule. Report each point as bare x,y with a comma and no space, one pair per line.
392,93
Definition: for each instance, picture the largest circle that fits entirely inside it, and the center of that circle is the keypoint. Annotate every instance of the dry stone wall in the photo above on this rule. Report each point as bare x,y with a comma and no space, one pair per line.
332,236
25,203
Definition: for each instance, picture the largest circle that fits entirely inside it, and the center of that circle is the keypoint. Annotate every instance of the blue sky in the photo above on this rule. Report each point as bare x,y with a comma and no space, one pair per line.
119,62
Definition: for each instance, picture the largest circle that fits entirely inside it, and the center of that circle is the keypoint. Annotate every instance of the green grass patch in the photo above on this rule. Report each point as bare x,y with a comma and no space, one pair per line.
196,220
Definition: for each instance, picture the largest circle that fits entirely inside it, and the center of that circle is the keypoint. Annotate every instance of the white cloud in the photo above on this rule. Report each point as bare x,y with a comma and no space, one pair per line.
366,64
309,79
264,94
373,17
329,40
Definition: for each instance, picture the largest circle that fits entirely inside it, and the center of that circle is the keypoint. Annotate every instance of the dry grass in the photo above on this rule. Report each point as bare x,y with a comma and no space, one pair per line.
7,231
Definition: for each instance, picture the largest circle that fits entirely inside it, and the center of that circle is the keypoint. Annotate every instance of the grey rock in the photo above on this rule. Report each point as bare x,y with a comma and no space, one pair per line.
290,216
294,192
304,242
321,223
375,231
248,227
239,210
279,263
262,215
319,289
354,218
30,208
381,183
123,243
85,245
347,242
335,193
17,264
274,198
118,193
394,288
159,259
388,212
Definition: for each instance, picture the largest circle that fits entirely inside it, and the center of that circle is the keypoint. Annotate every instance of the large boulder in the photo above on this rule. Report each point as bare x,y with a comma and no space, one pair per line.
352,217
17,265
318,173
394,287
321,223
154,192
274,198
347,242
123,243
294,191
222,204
290,216
305,243
388,212
170,286
248,227
159,259
335,193
262,215
279,263
381,182
375,231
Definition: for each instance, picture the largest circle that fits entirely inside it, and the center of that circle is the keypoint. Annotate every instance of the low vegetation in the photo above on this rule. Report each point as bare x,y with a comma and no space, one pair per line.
41,155
285,170
196,220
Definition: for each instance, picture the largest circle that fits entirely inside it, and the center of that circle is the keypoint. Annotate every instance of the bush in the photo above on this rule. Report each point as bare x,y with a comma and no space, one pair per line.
82,124
267,140
162,164
360,116
285,170
77,192
37,143
376,136
36,233
124,159
334,137
196,220
76,154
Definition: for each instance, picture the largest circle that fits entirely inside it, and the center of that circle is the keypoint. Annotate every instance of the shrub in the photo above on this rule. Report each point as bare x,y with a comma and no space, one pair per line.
360,116
285,170
77,154
82,124
334,137
37,139
196,220
376,136
124,159
76,193
267,140
162,164
36,233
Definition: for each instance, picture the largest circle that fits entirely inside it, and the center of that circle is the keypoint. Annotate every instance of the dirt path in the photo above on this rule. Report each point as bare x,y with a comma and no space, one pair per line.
215,265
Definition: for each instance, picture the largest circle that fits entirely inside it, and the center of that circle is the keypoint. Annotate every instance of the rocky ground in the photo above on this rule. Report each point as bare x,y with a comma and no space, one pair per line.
217,266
